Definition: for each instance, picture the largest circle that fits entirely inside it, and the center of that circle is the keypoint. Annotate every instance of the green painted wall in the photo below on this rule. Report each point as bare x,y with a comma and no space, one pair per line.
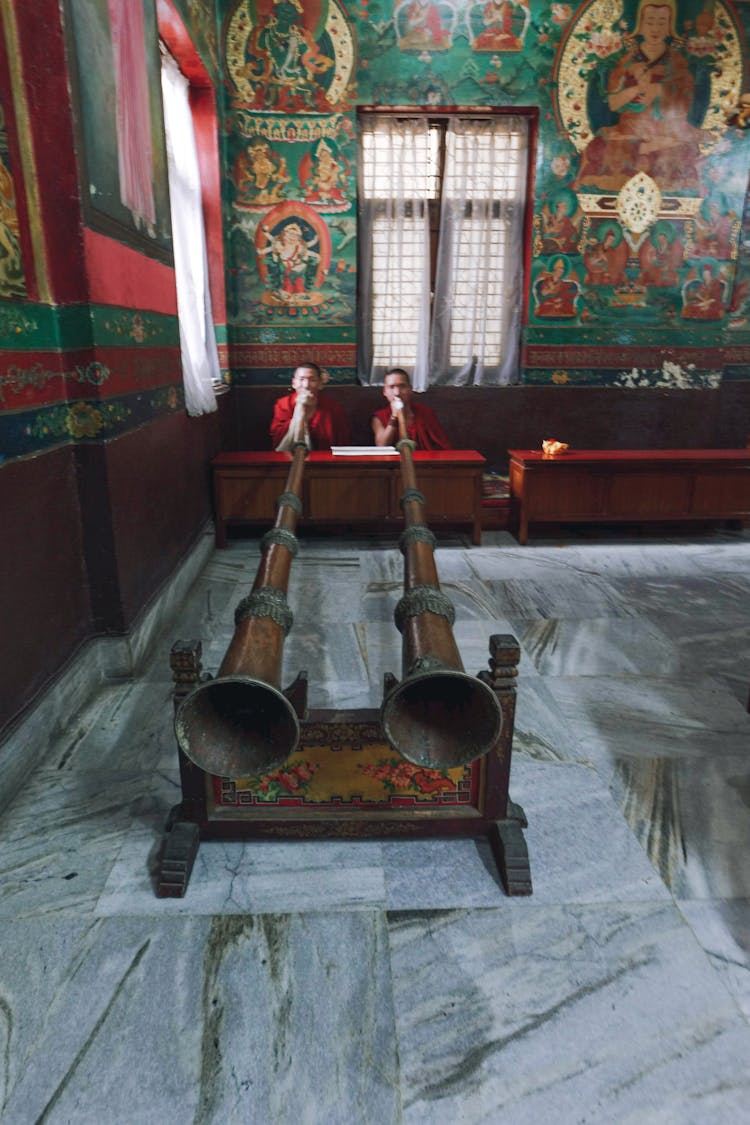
623,287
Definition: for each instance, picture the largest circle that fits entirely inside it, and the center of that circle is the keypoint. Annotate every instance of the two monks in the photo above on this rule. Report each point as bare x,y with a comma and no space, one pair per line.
322,422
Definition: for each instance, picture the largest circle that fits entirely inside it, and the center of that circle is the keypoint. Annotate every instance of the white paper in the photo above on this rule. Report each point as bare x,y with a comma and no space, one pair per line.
364,450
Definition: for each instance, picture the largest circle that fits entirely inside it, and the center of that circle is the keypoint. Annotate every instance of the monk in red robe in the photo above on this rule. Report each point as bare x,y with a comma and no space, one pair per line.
308,414
422,425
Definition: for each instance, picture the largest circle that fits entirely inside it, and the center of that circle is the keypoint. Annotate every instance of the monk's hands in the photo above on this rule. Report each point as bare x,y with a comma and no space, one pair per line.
306,403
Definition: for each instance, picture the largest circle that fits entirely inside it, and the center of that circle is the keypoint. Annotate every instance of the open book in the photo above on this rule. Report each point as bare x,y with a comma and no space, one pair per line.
364,450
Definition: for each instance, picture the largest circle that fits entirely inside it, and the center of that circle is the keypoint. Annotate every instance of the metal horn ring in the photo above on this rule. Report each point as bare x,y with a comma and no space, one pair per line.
266,601
417,533
291,500
423,599
412,496
283,538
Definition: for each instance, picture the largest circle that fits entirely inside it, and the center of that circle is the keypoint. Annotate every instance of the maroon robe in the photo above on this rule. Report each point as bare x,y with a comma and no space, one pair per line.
328,426
424,429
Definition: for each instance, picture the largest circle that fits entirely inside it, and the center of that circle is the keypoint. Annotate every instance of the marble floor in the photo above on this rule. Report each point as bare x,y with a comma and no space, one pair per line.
380,982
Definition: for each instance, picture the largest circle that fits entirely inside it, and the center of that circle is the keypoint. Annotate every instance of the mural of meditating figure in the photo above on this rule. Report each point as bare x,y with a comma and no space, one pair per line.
605,256
555,294
645,105
559,228
501,25
421,26
716,231
661,256
703,294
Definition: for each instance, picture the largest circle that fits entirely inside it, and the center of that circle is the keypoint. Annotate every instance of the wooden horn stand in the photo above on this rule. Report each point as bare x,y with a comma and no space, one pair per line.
346,778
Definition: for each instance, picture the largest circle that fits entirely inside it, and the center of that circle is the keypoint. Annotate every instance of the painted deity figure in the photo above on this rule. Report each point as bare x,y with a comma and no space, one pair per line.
640,104
661,257
703,296
284,58
560,232
291,261
605,257
555,295
260,175
422,27
498,32
323,183
714,231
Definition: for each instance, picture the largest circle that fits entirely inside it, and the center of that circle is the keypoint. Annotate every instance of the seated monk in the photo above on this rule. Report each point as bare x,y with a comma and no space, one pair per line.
308,415
421,424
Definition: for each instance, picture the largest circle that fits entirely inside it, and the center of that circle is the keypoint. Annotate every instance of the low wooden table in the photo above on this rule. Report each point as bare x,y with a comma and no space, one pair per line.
357,491
628,485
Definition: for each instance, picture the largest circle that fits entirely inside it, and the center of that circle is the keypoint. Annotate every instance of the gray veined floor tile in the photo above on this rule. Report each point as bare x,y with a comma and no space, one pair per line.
542,731
650,717
265,994
709,649
560,596
580,851
572,1014
254,876
126,727
594,560
62,836
720,599
692,816
723,929
730,552
630,646
284,1018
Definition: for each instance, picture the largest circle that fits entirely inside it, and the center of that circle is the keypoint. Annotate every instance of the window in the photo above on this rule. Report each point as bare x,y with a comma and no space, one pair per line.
442,207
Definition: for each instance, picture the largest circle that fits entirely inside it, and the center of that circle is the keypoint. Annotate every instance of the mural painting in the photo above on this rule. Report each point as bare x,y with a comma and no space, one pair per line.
640,177
117,88
291,187
499,25
605,255
425,25
556,290
704,293
293,251
12,283
289,55
558,225
641,89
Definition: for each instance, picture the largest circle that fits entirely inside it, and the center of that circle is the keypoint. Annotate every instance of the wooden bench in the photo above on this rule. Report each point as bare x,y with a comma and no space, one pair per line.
362,492
628,485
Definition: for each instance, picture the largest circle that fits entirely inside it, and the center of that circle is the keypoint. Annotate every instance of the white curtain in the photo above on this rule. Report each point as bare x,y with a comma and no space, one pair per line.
471,334
200,359
476,317
393,192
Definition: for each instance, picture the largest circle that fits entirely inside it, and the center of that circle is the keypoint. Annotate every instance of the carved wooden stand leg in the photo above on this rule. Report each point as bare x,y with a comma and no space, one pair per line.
181,835
506,834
